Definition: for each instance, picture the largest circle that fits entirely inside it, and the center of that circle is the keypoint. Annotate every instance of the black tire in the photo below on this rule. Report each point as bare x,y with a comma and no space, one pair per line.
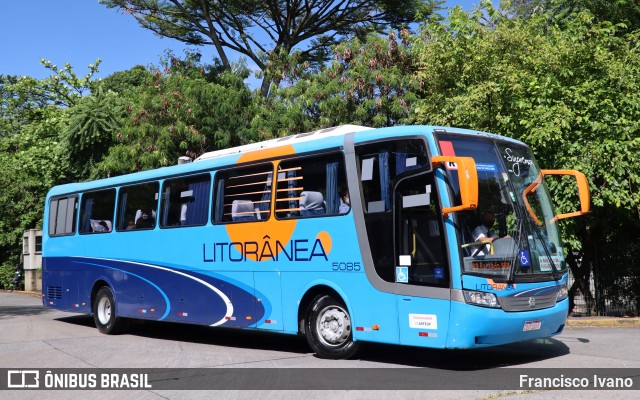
329,329
104,313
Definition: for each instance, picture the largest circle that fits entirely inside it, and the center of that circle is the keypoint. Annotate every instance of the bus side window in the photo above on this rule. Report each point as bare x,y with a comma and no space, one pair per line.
62,216
311,186
96,211
185,201
137,205
243,194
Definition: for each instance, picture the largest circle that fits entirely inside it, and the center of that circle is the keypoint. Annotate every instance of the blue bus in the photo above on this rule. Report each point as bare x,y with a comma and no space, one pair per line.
415,235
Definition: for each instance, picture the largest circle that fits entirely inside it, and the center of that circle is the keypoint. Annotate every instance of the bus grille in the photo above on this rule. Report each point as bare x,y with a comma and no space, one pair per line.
528,303
54,292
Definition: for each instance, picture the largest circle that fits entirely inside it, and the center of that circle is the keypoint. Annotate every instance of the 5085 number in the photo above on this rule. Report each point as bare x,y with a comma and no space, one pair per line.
346,266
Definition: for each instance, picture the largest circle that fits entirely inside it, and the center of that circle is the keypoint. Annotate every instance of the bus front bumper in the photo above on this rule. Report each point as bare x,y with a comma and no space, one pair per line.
472,326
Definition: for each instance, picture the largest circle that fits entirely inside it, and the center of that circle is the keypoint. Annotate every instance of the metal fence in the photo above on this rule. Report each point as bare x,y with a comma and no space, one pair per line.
611,295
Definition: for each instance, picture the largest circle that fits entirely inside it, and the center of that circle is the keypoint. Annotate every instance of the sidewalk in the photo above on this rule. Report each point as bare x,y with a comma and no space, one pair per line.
35,294
609,322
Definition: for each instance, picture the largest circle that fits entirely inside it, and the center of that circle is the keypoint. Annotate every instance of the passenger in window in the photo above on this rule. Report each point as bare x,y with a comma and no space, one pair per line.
146,220
104,225
98,226
345,201
311,203
130,225
483,232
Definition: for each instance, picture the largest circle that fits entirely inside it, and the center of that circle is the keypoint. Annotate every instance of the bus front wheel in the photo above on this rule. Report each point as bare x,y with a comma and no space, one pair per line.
104,312
329,329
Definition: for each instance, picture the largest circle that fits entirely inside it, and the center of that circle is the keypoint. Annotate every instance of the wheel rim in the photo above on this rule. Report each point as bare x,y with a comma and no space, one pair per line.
104,310
333,326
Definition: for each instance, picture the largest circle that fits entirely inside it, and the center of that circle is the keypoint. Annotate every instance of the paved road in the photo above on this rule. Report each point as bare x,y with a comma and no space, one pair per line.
34,337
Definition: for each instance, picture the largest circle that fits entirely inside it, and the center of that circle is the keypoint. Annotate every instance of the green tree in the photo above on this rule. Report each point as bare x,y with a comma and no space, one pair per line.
123,82
93,122
184,110
370,82
32,155
22,100
31,163
615,11
571,91
64,87
268,32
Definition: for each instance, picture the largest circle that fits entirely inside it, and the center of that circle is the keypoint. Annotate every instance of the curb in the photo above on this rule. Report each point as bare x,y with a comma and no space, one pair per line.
608,322
34,294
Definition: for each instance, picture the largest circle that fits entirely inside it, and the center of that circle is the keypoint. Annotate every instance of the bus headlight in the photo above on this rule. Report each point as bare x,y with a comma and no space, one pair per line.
563,293
483,299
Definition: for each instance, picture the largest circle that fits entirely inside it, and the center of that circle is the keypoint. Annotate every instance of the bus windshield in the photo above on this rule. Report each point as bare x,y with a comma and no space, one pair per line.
512,233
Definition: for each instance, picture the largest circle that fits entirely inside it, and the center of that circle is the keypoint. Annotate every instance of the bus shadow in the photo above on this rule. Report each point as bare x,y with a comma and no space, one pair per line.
228,337
7,312
467,360
81,320
457,360
200,334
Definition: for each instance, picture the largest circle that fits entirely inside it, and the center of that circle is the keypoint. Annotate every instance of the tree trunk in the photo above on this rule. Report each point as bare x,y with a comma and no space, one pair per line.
581,265
264,88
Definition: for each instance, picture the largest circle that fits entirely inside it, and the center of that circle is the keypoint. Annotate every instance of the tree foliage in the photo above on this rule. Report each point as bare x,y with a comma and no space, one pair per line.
370,82
615,11
560,75
124,82
33,157
92,125
269,31
31,163
183,110
571,91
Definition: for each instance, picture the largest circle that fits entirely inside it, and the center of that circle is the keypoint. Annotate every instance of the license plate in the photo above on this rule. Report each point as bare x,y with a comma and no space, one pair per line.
532,326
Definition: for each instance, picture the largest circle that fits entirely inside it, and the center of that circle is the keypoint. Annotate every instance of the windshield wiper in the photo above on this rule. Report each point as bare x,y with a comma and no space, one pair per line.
521,234
554,270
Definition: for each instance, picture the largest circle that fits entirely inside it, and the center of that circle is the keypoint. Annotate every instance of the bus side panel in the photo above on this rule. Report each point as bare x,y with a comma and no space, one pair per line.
239,288
377,314
51,285
368,307
269,294
423,322
60,286
188,304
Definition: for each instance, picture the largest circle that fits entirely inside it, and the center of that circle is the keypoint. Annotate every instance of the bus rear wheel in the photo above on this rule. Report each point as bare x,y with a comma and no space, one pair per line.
328,329
104,313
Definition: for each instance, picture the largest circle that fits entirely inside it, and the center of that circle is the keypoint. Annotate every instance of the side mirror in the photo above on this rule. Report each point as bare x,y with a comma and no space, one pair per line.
468,180
583,192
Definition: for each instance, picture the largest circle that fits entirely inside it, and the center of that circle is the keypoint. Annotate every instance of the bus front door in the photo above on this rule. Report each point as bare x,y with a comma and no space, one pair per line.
422,273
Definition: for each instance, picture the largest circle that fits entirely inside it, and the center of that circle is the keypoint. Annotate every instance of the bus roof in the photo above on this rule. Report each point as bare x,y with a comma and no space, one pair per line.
224,157
291,139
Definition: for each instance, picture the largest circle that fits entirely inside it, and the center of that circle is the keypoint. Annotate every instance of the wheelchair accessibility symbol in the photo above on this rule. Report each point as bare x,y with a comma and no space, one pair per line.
525,261
402,274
